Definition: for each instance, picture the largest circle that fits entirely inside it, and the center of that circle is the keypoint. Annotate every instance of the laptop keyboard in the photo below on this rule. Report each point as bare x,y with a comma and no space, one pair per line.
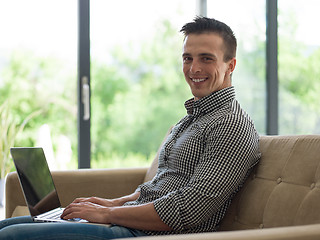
53,214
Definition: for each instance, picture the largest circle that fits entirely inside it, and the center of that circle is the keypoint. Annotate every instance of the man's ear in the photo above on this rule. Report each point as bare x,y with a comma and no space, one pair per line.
232,65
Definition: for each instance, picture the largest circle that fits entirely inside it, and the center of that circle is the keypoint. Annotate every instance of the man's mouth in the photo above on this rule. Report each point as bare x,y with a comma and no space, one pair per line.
197,80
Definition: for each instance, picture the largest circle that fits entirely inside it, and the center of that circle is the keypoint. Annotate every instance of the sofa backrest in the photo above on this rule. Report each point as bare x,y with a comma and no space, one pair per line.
283,189
154,165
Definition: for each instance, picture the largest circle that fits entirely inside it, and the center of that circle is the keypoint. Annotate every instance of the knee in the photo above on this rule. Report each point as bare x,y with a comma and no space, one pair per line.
9,232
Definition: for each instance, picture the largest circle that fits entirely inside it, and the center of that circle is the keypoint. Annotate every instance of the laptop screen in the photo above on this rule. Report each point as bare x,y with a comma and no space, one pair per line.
35,179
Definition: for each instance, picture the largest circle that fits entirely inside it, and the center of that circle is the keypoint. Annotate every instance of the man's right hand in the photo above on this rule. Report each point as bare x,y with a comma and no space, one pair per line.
109,202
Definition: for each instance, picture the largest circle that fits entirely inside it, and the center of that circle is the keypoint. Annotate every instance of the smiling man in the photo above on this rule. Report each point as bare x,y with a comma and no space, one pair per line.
202,164
208,58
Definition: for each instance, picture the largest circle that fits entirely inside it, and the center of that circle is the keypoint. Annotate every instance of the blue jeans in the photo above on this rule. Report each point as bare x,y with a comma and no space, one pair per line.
24,228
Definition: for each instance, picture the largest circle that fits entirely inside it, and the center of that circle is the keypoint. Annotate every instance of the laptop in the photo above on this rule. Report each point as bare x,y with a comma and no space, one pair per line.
37,185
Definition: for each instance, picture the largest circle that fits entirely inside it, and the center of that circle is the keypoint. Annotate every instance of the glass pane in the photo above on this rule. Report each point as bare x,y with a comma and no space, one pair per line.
38,70
138,89
247,18
299,69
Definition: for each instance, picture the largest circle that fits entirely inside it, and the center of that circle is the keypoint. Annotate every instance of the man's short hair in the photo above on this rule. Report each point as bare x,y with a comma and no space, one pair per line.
211,25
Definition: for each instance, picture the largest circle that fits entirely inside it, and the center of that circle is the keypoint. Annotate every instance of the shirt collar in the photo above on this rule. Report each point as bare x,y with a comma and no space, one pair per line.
211,102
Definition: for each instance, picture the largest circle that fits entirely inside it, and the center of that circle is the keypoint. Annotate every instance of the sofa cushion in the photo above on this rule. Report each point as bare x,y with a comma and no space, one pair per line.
283,190
154,165
20,211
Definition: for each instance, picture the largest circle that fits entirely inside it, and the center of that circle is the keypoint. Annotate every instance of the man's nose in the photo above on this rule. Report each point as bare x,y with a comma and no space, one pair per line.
195,67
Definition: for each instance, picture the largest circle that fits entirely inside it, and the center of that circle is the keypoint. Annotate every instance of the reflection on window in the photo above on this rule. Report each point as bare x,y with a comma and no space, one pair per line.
299,71
138,90
247,20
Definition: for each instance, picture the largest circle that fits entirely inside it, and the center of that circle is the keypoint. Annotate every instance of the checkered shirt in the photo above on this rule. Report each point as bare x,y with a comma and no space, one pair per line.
202,164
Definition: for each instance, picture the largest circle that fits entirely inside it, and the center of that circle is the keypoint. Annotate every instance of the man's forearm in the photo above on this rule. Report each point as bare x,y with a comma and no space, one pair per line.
122,200
142,217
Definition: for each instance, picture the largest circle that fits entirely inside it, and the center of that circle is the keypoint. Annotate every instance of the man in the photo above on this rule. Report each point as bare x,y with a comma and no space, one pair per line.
202,164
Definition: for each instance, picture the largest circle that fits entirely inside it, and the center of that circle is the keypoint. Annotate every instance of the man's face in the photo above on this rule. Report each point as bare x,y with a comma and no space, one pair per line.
203,65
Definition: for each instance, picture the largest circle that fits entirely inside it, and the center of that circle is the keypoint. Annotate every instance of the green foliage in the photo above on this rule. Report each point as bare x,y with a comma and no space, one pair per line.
134,100
249,81
9,133
149,91
32,83
299,82
119,160
300,75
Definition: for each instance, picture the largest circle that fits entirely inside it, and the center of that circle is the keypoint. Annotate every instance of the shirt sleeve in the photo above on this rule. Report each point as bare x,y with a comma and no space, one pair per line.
232,148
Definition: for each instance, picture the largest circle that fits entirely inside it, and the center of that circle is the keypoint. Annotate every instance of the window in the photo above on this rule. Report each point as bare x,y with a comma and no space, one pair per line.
137,86
38,54
248,21
299,57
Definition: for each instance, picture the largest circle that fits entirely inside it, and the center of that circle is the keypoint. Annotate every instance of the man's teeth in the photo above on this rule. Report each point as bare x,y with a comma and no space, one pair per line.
198,80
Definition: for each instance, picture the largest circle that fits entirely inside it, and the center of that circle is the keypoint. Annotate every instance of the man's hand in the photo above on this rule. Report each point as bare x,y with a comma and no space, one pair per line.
142,217
100,201
90,211
117,202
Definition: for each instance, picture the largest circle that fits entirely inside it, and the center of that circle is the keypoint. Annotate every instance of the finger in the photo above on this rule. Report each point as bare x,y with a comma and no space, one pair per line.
71,214
83,210
89,199
76,207
78,200
73,207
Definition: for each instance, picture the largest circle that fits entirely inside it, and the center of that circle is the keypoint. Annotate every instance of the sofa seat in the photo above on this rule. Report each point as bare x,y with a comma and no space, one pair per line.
279,200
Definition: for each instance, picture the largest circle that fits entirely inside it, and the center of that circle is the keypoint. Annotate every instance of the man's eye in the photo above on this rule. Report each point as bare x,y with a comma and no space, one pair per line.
187,59
207,59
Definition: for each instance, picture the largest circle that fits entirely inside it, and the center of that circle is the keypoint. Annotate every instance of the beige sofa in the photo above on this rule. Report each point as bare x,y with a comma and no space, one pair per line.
280,200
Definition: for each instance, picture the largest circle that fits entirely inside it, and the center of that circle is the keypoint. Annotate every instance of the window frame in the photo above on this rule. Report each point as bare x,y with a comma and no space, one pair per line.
84,122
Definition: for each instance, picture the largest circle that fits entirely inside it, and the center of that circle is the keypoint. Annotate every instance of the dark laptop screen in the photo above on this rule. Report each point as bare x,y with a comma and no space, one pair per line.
35,179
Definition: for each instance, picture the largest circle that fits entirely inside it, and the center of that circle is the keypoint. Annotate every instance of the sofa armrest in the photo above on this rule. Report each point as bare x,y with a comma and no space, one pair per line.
106,183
